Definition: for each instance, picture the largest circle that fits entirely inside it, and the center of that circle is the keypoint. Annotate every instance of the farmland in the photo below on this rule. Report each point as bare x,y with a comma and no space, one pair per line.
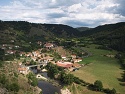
101,67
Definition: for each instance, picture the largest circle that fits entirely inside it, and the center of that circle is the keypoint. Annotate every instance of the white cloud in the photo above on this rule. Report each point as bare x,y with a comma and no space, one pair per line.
71,12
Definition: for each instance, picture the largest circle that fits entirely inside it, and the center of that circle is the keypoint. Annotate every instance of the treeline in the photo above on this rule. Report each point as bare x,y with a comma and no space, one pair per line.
58,73
121,58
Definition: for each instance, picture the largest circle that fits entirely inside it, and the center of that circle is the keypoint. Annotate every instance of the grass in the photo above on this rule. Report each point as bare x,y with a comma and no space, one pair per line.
78,89
102,68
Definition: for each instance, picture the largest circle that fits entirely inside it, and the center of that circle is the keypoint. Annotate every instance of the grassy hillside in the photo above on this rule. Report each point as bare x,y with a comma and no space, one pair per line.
103,68
14,29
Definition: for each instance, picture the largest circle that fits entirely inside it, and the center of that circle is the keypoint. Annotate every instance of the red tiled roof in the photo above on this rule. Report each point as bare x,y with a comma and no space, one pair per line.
48,45
65,65
22,69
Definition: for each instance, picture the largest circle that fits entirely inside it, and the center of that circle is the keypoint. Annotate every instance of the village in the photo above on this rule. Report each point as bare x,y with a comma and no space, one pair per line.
43,56
69,63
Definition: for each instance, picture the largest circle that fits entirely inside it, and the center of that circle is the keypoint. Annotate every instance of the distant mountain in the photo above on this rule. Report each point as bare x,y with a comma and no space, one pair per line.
81,29
111,35
103,28
17,30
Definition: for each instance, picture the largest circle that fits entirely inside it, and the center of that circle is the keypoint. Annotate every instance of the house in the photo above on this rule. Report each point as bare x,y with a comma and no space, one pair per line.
4,45
48,45
73,56
16,46
23,70
33,58
76,65
20,63
22,53
12,41
63,56
64,64
29,54
77,60
48,58
10,51
10,47
39,43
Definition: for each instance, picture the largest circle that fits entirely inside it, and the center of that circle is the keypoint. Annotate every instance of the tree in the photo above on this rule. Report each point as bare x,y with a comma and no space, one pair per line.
32,79
3,79
41,92
98,85
113,91
123,77
52,71
32,62
14,87
66,79
2,53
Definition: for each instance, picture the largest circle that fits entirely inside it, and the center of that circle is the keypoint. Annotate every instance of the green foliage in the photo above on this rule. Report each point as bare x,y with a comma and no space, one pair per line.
108,91
9,86
32,62
98,85
113,91
79,81
43,51
52,70
26,48
3,79
24,61
17,55
14,87
56,55
1,63
123,76
9,57
56,93
15,74
32,79
66,79
41,92
2,53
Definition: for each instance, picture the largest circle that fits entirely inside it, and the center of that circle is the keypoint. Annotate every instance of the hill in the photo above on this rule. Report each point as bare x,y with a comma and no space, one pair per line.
14,30
110,35
83,28
22,32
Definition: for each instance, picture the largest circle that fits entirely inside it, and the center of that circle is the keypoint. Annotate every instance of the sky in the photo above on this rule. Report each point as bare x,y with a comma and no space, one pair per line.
75,13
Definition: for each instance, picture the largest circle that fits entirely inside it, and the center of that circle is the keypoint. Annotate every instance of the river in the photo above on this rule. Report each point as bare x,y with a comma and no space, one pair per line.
47,88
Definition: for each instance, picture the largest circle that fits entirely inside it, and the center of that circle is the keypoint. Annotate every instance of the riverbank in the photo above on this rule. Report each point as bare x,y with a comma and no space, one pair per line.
65,91
47,85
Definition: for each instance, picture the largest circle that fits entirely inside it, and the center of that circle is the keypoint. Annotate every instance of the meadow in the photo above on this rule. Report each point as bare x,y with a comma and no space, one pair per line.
101,67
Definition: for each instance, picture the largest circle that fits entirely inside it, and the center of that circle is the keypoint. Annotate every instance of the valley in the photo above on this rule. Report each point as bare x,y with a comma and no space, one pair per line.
76,59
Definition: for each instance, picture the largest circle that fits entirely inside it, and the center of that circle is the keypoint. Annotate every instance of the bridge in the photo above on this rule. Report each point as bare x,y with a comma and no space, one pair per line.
43,63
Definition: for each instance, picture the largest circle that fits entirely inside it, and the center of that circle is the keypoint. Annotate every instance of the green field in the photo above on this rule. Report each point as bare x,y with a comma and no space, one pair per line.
102,68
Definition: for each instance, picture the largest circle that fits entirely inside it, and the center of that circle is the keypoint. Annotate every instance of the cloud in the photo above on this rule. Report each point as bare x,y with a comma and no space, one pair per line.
71,12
